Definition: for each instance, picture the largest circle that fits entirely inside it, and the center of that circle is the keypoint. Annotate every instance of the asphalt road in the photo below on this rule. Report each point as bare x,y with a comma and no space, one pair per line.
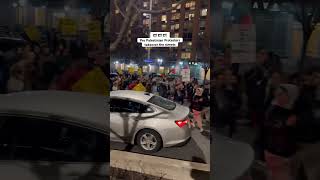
189,152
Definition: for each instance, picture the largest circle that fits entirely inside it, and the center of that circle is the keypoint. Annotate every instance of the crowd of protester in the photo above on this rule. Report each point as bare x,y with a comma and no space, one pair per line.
171,87
283,108
35,66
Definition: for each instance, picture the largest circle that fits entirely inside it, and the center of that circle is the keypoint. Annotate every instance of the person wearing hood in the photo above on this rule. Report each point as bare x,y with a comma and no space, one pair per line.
279,132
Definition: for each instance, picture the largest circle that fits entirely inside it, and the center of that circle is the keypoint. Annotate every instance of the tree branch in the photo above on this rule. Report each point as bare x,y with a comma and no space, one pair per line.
118,8
124,27
159,11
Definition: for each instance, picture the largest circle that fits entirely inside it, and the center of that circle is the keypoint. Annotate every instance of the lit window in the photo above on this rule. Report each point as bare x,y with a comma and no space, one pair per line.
176,35
164,18
117,11
189,44
189,16
185,55
145,4
163,27
202,24
201,35
175,16
173,5
204,12
191,5
176,26
172,27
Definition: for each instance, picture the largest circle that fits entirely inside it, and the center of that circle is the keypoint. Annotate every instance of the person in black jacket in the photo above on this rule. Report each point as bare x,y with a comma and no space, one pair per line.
279,132
197,106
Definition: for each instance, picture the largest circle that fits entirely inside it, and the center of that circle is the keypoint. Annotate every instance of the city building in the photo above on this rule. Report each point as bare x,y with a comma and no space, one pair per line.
189,20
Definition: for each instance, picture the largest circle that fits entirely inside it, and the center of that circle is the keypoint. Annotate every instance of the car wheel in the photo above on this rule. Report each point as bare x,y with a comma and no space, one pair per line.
149,141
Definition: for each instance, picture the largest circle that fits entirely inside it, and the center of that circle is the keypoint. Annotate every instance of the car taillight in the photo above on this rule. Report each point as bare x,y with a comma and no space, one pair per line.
181,123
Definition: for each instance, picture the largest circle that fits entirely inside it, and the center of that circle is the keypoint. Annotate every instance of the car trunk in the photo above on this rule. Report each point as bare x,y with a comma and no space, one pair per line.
180,112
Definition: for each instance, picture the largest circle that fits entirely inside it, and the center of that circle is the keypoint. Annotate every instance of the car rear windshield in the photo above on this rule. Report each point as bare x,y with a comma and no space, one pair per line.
162,102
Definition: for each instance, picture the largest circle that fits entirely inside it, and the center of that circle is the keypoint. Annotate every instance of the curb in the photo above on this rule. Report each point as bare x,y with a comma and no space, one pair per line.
159,166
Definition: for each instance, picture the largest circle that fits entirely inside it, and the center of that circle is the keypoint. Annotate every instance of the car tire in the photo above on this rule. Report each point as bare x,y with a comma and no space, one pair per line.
155,136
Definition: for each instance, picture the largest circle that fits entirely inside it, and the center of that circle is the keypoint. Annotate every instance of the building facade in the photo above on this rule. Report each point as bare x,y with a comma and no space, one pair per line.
189,20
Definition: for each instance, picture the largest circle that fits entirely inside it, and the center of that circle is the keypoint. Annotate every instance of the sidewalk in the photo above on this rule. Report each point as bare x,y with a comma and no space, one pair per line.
202,139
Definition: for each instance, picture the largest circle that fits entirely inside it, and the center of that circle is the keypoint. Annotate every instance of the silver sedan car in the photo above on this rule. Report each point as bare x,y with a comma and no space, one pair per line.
150,121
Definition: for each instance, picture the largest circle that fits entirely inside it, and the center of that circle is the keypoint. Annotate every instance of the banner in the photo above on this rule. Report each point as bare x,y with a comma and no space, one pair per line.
119,71
33,33
208,75
313,43
185,73
243,43
131,70
68,27
94,31
94,81
140,73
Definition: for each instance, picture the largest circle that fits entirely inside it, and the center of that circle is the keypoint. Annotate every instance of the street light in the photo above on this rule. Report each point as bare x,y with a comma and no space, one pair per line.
181,63
66,8
275,7
150,27
22,2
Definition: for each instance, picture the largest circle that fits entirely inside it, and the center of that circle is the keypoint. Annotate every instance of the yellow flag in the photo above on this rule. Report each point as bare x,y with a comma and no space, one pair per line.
313,43
131,70
140,73
119,71
94,81
139,87
68,27
33,33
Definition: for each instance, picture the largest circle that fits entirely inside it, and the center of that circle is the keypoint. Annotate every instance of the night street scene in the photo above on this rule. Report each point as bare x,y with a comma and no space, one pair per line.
160,95
265,58
54,88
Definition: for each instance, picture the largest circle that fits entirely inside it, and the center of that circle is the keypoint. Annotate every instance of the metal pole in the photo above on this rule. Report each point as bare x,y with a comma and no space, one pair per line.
150,27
